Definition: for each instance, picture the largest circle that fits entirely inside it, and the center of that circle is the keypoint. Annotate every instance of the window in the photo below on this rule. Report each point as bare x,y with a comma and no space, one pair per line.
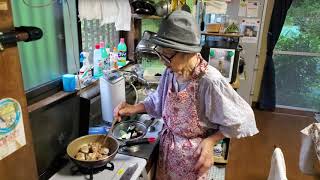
297,57
92,33
56,53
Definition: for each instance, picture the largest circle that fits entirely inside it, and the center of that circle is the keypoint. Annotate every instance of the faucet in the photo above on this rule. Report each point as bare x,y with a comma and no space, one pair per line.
134,75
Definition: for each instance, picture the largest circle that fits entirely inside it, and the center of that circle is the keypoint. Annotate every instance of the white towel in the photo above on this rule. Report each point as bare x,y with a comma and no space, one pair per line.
278,166
108,11
123,21
90,9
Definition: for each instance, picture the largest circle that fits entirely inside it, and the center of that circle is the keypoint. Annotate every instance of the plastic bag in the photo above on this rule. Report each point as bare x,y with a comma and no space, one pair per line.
309,161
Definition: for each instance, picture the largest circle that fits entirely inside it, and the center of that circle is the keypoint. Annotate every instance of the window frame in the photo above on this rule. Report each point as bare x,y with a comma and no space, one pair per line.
49,88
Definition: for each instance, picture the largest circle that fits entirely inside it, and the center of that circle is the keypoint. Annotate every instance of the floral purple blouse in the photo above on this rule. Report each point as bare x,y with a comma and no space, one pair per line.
221,107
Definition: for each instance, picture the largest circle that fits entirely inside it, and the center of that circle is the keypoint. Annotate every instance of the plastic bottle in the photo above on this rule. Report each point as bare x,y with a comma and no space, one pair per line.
97,62
108,49
218,150
115,58
122,52
104,55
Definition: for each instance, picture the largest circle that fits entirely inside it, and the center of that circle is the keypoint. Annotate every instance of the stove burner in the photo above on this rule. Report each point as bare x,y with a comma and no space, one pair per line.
91,171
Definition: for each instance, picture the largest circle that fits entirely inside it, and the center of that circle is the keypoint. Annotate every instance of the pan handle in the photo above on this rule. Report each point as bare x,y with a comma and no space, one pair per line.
138,141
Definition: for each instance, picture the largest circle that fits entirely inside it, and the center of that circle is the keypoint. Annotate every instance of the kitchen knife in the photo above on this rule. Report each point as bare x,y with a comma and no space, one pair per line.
129,172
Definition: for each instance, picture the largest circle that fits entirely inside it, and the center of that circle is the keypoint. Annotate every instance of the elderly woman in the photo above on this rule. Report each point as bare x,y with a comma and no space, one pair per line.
198,106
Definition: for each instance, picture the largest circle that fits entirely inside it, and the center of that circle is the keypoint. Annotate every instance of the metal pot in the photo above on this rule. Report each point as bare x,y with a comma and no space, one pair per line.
75,145
163,8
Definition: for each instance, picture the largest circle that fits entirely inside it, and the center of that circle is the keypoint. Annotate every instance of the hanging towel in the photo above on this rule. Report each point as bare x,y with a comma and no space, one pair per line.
123,22
278,166
108,11
90,9
309,152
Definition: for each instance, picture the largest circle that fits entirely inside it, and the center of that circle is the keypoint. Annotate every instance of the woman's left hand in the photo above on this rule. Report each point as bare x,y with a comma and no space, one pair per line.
205,154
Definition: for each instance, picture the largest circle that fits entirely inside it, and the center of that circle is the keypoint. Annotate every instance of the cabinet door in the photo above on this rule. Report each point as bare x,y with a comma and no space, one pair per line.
21,164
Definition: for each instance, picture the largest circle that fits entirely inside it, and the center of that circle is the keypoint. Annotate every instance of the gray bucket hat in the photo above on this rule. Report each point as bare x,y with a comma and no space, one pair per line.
179,31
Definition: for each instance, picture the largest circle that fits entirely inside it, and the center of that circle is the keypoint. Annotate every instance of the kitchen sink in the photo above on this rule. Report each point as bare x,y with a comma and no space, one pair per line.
141,91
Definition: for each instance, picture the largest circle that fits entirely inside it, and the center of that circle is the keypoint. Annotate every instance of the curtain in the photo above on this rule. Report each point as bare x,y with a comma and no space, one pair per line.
267,100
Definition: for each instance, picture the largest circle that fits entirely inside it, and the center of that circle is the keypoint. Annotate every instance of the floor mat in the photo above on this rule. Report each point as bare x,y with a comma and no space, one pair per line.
217,173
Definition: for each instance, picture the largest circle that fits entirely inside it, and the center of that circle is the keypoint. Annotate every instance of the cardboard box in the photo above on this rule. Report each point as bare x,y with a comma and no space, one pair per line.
215,28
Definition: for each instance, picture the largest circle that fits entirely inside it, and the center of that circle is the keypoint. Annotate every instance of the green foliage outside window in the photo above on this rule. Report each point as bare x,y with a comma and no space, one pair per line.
298,76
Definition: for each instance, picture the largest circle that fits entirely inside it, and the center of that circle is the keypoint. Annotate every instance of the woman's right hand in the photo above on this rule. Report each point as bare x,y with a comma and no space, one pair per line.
124,109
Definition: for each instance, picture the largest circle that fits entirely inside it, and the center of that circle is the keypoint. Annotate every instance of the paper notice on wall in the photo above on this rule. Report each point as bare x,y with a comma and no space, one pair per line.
252,9
216,7
12,135
242,8
250,30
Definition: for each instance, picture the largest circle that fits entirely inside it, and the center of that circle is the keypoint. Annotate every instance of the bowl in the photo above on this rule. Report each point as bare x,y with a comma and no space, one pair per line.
123,126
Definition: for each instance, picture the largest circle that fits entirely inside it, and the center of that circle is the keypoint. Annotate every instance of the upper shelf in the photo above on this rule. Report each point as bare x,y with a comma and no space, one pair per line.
139,16
221,34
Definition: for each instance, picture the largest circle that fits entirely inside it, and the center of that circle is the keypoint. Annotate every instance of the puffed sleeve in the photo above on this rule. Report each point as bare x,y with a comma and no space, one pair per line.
226,108
154,102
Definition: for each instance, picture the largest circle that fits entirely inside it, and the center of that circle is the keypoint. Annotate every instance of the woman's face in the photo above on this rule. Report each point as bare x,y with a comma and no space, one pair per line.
178,62
182,64
166,55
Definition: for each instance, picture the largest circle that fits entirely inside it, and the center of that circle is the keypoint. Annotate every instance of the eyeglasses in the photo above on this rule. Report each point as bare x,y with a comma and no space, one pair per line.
165,54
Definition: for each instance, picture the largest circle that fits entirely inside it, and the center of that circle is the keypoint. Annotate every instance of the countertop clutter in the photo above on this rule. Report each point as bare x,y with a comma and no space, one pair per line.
138,159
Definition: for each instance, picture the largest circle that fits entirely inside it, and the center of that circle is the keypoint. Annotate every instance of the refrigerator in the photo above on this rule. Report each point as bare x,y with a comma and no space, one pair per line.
249,16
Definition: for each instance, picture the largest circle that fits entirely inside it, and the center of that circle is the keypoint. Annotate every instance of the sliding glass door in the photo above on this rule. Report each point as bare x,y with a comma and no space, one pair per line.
297,57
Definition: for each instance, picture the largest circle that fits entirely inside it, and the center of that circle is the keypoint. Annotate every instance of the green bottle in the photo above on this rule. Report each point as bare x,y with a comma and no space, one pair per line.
104,56
122,53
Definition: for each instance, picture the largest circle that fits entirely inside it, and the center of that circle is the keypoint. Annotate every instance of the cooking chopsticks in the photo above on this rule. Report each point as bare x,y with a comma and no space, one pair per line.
105,142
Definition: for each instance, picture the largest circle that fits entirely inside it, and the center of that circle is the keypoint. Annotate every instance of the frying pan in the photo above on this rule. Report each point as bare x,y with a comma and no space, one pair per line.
111,142
75,145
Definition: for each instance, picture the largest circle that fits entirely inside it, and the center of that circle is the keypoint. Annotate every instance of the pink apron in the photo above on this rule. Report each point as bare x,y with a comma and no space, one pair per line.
181,134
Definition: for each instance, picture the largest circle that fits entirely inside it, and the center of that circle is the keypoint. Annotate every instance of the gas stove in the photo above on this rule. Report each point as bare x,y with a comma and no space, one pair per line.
115,170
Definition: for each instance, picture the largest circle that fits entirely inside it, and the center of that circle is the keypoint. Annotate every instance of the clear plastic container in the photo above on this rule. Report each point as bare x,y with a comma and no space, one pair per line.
97,62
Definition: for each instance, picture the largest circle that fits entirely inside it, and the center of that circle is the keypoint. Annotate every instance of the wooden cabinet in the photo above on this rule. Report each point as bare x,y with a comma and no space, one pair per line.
21,164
